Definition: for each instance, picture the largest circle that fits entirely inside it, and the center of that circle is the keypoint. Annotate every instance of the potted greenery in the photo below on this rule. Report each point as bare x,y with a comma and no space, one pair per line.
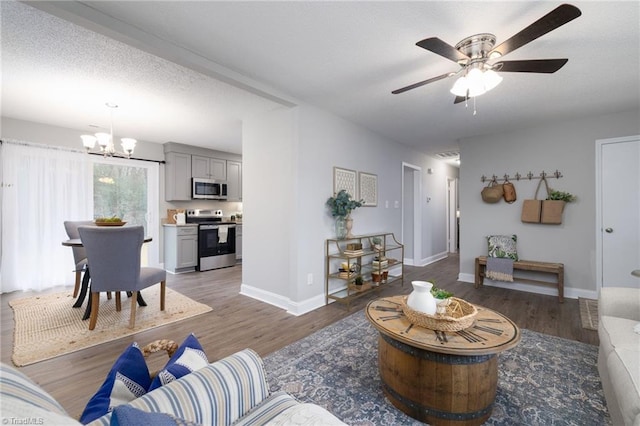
561,196
553,206
442,298
341,206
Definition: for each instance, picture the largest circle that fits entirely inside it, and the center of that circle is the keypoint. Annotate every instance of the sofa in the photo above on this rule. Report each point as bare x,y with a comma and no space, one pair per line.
619,353
233,390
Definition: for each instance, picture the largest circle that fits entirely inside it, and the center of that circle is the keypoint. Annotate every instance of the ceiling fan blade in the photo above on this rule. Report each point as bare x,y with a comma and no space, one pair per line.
422,83
552,20
546,66
459,99
437,46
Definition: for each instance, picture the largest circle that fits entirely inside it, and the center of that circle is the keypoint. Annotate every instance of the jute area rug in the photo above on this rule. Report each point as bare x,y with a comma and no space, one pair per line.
48,326
544,380
588,313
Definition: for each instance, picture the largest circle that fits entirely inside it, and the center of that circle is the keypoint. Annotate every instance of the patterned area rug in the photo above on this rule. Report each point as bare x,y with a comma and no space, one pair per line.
588,313
544,380
48,326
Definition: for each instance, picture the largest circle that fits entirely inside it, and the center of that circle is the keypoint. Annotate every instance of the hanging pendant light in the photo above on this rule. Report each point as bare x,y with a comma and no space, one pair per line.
105,141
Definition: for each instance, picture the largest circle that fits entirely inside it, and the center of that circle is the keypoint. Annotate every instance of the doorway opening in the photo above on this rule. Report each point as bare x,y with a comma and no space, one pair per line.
411,213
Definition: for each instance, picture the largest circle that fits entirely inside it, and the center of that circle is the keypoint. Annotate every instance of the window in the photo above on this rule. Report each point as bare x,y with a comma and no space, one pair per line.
128,189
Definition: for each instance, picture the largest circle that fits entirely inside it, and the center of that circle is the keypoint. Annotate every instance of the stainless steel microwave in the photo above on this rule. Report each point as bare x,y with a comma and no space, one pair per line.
208,189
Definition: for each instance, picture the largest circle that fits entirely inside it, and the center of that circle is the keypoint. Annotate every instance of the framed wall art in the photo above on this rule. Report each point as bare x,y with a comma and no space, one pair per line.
368,189
345,179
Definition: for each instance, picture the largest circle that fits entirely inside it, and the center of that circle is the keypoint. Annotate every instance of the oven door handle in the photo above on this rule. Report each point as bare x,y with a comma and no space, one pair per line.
210,227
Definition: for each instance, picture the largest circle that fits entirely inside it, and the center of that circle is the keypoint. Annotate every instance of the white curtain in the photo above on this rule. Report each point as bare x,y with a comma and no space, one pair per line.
42,186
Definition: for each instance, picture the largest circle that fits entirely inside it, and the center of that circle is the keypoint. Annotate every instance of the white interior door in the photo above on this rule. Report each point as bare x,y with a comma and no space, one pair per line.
619,218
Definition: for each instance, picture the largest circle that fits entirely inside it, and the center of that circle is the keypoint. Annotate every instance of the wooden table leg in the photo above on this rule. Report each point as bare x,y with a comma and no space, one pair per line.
478,277
561,284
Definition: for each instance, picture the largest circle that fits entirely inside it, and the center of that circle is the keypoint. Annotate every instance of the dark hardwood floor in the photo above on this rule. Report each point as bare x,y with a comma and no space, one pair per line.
238,322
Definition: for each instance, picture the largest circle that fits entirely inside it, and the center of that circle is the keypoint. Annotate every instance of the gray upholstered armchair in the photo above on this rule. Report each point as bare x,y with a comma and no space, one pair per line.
79,253
114,264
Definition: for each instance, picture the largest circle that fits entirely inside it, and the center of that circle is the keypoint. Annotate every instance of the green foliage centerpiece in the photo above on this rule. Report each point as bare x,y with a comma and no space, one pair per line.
341,206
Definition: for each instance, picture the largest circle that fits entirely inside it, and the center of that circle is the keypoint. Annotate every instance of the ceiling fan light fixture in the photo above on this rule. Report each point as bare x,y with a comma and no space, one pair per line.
491,79
460,87
475,80
476,83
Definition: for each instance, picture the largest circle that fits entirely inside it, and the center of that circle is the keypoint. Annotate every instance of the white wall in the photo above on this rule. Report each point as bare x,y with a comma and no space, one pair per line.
269,206
566,146
288,160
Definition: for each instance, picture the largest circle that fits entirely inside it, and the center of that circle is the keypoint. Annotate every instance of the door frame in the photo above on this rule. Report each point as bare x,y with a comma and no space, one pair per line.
417,210
598,225
452,216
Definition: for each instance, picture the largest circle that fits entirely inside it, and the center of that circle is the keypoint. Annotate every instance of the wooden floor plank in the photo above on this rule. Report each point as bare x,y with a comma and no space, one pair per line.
238,322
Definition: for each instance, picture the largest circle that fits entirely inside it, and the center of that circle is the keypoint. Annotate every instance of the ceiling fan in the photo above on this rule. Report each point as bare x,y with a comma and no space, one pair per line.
474,53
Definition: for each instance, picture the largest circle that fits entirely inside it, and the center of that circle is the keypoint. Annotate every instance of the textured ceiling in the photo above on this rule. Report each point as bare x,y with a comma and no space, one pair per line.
345,57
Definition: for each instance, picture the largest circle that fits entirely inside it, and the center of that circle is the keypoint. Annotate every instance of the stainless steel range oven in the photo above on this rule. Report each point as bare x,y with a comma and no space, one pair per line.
216,240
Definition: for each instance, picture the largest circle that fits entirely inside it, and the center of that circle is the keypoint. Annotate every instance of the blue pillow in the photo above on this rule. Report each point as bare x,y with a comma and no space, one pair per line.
128,379
189,357
126,415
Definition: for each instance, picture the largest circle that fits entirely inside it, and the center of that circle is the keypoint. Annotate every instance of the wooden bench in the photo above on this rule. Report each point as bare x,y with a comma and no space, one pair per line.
556,269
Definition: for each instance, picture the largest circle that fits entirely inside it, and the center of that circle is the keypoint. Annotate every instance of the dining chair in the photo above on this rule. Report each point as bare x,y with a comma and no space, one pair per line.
114,263
79,253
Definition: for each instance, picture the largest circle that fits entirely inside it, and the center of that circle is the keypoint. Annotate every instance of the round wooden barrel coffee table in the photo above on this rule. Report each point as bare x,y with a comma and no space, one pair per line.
436,377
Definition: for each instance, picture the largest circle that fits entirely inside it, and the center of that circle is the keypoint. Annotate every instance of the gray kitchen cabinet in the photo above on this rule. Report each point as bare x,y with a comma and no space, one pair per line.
209,168
238,241
234,180
180,248
177,178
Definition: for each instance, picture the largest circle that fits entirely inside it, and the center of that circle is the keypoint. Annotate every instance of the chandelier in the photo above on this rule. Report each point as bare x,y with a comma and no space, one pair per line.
105,141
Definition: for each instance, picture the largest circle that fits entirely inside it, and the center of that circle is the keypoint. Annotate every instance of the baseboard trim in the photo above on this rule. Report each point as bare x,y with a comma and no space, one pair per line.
569,292
293,308
432,259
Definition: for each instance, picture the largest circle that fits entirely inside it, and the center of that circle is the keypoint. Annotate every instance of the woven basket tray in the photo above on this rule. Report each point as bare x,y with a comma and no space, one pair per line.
157,346
459,315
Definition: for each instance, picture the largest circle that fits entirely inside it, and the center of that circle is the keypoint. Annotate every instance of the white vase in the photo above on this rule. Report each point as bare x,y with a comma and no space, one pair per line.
421,298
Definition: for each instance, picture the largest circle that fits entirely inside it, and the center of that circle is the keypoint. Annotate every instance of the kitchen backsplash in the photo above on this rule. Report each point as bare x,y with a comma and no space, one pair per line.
229,208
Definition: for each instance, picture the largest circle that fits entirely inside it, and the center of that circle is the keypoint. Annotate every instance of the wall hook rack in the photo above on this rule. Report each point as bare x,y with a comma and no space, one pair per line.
517,176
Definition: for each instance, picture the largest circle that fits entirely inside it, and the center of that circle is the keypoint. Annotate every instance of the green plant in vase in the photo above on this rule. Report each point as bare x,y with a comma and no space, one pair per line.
440,293
341,205
442,299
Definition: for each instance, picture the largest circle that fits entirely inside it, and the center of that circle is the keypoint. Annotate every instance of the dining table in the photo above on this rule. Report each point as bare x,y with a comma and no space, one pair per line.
86,278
